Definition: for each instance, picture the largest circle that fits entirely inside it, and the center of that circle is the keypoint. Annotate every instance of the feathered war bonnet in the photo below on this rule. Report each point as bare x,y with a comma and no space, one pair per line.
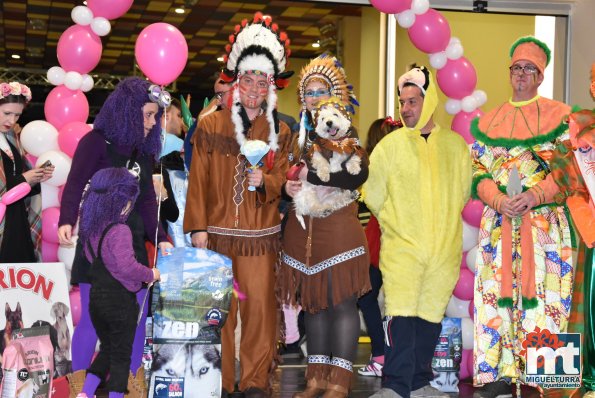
328,69
257,47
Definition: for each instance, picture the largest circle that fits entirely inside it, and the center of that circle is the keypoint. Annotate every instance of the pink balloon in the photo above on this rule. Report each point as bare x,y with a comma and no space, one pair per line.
49,224
16,193
63,106
161,52
75,305
391,6
471,313
2,210
464,369
49,251
461,123
457,79
464,287
70,135
31,159
472,212
430,33
109,9
79,49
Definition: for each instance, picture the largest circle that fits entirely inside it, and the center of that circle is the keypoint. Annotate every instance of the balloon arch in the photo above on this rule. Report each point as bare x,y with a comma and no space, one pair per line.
161,52
429,32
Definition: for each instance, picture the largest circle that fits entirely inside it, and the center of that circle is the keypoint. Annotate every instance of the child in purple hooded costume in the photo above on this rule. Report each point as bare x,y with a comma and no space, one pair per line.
115,276
126,134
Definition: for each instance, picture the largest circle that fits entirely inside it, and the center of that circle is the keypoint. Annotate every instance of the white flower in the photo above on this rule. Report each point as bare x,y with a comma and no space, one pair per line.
15,88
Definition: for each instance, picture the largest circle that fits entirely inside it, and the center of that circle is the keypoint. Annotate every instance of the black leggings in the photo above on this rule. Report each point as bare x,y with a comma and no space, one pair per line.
334,332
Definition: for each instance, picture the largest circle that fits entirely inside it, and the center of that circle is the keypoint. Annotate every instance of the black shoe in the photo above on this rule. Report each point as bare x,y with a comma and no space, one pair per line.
255,392
224,393
497,389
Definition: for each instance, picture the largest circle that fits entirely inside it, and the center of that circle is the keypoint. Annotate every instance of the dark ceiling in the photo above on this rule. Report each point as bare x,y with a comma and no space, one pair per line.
31,29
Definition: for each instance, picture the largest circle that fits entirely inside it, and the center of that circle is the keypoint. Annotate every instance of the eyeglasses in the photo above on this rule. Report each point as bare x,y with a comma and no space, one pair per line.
160,96
527,69
316,93
220,94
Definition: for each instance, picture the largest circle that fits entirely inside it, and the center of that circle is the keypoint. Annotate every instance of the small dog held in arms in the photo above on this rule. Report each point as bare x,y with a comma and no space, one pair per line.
332,150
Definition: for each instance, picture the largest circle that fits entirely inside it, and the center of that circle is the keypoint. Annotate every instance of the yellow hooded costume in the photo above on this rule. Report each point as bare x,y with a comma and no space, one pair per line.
417,189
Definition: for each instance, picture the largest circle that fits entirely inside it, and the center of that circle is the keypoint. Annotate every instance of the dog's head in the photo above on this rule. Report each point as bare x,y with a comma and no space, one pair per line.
14,319
199,364
59,311
331,119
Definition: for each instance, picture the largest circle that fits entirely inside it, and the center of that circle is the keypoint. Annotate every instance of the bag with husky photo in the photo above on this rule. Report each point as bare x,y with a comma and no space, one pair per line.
447,356
191,303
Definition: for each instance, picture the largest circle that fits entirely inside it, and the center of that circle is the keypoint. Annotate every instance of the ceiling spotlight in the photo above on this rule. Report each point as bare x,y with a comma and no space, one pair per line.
16,56
85,2
316,44
220,59
179,10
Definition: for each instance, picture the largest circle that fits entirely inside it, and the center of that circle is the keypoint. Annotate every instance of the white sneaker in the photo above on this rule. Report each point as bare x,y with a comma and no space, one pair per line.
429,392
372,369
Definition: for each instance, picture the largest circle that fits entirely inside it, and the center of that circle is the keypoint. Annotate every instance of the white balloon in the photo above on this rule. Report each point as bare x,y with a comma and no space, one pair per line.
62,164
454,51
66,253
457,308
56,75
467,326
470,236
454,39
73,80
469,104
480,97
101,26
453,106
438,60
87,83
81,15
420,6
471,258
38,137
49,196
406,19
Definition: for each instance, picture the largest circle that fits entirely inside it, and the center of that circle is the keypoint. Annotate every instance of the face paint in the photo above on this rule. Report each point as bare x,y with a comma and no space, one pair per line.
253,90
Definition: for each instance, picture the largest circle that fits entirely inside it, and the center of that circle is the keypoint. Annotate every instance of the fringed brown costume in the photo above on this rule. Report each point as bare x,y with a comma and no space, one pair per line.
244,226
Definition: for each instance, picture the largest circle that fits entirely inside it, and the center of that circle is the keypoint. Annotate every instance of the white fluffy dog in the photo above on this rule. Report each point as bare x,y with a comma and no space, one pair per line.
331,150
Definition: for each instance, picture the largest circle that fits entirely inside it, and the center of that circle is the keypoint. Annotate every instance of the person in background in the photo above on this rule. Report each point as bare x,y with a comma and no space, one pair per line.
126,133
420,179
368,303
524,270
221,100
20,229
115,276
170,178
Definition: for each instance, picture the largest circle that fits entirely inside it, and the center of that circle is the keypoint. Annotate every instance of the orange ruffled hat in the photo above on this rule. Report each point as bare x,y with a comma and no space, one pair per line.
530,49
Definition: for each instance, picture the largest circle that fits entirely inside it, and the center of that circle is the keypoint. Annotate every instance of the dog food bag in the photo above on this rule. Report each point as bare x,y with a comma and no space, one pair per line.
28,364
447,356
193,297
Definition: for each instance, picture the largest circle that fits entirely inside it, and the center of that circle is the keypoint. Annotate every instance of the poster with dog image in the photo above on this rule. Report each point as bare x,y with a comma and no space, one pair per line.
191,303
36,294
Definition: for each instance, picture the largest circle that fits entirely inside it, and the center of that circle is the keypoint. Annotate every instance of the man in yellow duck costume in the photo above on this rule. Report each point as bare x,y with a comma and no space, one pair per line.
419,182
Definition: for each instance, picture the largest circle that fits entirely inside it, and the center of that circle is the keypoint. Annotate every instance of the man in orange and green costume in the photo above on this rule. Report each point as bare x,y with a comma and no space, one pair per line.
524,273
573,169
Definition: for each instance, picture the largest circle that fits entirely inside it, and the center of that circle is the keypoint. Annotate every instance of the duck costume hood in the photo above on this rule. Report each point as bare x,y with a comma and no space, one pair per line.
421,77
259,48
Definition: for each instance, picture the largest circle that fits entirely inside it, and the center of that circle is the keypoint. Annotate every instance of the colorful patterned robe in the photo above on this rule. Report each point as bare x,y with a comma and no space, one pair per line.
521,135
